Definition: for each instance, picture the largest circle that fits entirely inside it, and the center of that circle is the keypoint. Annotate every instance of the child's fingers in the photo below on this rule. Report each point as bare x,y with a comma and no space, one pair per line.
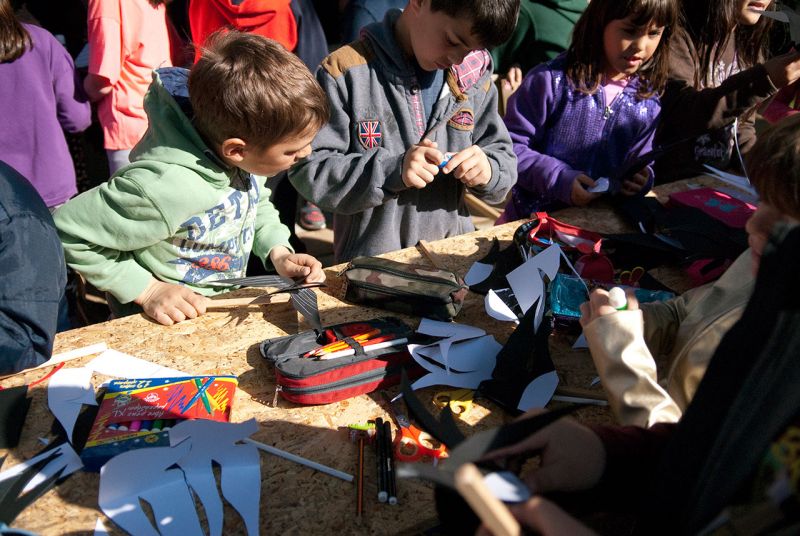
428,143
433,156
198,302
162,318
458,158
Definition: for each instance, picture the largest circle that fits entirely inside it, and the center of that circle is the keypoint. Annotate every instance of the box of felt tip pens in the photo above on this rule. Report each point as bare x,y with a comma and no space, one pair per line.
137,413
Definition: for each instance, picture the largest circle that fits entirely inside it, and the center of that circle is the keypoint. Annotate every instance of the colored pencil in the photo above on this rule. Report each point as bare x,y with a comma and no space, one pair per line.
367,348
135,426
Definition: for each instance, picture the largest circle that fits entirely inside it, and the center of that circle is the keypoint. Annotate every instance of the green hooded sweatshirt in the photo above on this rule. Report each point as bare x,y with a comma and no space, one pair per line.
177,212
543,31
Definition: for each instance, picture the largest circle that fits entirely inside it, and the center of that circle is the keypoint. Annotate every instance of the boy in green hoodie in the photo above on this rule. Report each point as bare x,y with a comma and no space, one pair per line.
192,204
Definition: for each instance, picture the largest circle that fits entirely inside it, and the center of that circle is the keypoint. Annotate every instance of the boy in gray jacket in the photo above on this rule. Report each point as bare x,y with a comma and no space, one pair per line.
413,91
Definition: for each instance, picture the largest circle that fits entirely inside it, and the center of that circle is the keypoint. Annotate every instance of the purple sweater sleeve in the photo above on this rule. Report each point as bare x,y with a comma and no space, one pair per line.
527,114
72,107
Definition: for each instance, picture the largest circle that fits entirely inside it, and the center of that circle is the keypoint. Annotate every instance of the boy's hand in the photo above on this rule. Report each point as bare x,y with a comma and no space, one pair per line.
296,265
421,164
167,303
580,195
470,166
635,184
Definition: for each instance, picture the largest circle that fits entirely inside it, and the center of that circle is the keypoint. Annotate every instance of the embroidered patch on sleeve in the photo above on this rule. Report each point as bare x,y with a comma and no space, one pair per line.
369,134
463,120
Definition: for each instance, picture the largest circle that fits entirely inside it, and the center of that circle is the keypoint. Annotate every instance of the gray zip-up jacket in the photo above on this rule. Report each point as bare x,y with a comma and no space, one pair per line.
377,113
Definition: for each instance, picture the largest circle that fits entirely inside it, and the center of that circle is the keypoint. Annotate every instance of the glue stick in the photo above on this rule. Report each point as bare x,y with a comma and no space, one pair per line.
617,299
446,159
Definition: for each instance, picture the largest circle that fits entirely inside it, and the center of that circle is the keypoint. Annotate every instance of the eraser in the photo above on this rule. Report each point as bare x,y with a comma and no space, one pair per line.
446,159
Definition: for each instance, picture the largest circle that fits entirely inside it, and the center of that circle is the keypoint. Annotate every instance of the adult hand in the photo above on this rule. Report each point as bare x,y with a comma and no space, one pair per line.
580,195
599,305
635,184
168,303
546,518
421,164
572,456
295,265
470,166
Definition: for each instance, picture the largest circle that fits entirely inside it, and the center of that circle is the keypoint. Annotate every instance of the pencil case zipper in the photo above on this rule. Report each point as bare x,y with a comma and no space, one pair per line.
349,382
397,292
407,275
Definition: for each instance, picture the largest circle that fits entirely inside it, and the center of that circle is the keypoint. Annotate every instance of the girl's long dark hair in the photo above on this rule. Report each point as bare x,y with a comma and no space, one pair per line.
710,25
14,38
586,56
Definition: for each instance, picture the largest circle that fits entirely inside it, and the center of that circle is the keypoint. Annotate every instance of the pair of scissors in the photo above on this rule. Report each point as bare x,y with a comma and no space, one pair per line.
411,443
459,400
631,277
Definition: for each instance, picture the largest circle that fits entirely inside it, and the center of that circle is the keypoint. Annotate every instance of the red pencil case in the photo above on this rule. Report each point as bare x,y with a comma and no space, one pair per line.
309,380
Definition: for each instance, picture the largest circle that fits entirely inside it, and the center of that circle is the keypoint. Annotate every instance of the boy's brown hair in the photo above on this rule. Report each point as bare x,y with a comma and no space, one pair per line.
250,87
773,165
492,22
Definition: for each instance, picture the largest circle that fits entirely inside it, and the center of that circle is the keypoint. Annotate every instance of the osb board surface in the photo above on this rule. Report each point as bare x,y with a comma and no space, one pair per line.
295,499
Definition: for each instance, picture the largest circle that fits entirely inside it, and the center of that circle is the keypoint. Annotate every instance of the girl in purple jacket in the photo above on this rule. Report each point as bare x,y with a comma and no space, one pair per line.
589,113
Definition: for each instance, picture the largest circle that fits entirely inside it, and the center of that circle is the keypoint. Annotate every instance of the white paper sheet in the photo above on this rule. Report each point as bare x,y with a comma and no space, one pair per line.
539,392
240,468
119,365
68,459
452,331
67,391
164,489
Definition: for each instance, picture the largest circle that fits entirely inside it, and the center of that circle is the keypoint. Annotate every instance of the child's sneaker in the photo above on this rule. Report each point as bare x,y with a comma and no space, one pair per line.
311,217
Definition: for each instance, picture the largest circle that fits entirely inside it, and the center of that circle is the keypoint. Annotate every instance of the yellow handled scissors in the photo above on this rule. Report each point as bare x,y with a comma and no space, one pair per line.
459,400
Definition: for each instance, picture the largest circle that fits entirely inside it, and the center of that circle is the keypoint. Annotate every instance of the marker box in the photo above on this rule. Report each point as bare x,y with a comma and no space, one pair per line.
130,408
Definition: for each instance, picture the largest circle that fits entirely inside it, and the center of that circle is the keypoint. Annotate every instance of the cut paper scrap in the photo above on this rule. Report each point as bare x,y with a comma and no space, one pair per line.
100,528
528,284
497,308
154,482
601,185
477,273
240,469
68,390
580,342
539,392
507,487
451,333
67,460
119,365
734,180
465,358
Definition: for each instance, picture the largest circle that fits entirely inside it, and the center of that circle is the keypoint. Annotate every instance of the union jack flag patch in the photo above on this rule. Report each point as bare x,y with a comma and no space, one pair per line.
369,134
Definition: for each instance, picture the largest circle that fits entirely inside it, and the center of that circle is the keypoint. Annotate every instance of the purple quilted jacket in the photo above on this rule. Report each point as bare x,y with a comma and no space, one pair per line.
559,133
